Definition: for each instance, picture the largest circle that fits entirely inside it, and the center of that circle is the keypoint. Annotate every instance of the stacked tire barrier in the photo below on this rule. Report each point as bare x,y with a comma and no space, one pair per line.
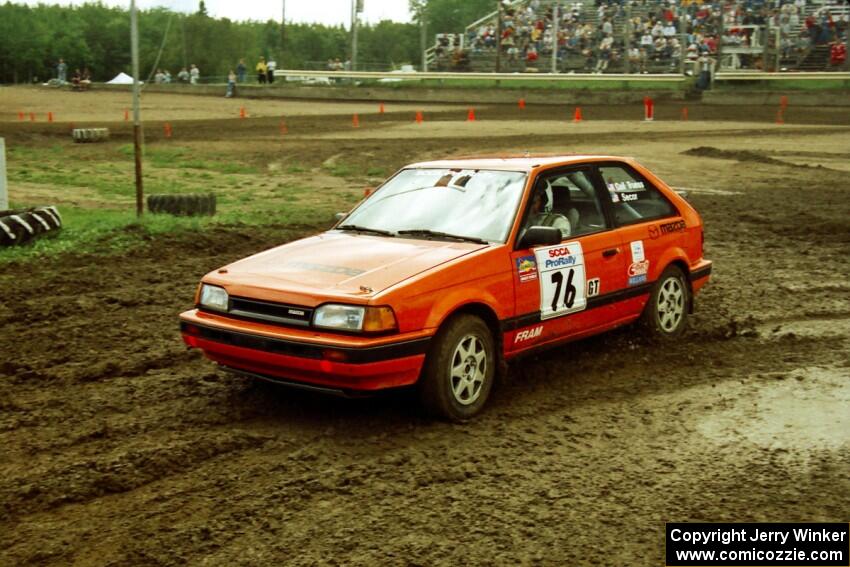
82,135
184,205
23,225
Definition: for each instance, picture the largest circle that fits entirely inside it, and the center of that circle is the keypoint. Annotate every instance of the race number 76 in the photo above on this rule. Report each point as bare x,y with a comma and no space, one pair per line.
569,290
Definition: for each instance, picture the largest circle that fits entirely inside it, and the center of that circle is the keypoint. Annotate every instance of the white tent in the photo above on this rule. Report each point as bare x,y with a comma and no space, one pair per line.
121,79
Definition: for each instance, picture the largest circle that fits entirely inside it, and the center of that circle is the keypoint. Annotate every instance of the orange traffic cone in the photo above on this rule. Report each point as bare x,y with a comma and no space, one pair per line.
648,109
283,129
50,117
780,117
355,121
419,118
783,102
167,130
20,116
381,108
470,116
242,113
684,113
577,116
521,104
126,115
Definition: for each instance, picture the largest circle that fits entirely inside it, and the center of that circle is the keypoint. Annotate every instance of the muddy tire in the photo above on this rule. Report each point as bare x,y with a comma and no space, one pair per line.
459,369
186,205
665,316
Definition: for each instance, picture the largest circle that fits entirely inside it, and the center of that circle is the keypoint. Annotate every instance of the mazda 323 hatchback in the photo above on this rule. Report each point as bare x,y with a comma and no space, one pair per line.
451,268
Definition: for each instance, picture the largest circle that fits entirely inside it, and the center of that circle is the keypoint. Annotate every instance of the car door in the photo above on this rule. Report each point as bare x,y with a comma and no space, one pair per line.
647,224
561,290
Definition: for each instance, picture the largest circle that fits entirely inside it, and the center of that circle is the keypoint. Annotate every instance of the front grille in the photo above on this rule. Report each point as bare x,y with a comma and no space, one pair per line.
294,315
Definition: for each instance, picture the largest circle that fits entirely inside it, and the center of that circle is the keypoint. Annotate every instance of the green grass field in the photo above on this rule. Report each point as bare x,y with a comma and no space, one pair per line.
95,194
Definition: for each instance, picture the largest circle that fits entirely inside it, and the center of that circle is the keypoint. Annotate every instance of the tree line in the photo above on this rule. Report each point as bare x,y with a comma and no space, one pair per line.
97,37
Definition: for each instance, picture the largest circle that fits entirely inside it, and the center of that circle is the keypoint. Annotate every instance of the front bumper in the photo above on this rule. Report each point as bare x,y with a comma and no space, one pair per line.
358,364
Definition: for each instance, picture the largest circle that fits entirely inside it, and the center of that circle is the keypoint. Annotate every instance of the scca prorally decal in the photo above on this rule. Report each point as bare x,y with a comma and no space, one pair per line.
526,267
528,334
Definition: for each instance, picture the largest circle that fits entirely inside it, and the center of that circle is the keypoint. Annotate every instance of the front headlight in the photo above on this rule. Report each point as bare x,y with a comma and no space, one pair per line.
213,297
355,318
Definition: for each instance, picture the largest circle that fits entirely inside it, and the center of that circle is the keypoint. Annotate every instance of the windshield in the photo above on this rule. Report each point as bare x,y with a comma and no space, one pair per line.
462,202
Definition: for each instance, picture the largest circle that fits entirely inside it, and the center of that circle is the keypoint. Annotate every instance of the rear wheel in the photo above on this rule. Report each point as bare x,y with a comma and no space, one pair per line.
666,314
459,370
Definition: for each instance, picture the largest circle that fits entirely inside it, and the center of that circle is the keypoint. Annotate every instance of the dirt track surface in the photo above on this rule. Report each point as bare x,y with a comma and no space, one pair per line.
122,448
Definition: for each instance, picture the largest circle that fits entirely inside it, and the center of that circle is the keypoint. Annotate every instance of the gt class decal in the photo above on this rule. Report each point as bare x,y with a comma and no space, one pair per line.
593,287
562,279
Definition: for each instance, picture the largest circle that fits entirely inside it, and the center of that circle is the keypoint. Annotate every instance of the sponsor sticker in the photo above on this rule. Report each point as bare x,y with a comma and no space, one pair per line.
528,334
629,197
637,280
592,287
670,227
654,232
637,251
639,268
626,186
526,267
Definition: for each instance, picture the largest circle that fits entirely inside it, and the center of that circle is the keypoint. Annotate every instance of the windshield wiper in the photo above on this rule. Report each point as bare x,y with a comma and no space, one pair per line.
438,234
358,228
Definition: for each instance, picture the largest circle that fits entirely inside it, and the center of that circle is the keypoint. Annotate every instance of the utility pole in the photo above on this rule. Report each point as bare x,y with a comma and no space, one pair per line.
423,37
627,39
356,6
498,36
4,196
137,121
683,40
556,21
282,32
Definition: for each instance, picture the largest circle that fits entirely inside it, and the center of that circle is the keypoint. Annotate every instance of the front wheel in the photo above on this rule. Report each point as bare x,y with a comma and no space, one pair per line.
666,314
459,369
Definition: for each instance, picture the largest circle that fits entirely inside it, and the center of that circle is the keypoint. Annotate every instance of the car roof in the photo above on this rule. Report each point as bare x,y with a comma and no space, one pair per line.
513,163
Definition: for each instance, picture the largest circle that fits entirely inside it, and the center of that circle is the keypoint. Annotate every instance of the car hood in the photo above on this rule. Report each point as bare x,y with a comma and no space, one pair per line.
337,263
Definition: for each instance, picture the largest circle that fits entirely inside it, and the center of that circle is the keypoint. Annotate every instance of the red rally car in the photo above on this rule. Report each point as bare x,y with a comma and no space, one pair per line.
452,267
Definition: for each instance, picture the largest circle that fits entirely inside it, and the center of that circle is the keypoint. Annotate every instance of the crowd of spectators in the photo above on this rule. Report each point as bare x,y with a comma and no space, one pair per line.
648,35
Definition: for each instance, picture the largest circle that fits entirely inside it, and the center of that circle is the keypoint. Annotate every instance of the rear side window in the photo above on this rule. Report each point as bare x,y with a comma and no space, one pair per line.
633,199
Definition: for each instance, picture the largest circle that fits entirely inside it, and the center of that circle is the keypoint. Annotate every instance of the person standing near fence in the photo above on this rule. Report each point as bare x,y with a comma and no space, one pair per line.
62,71
231,85
241,69
270,67
261,69
194,74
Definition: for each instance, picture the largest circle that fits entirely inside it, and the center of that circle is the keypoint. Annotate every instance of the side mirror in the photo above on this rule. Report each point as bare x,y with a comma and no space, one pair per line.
339,216
540,236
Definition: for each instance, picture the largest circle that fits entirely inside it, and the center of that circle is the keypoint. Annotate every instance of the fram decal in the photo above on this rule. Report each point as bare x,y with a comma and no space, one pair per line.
528,334
639,268
526,267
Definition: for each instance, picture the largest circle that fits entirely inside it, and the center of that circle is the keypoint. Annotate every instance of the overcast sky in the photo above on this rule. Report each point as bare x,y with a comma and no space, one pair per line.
322,11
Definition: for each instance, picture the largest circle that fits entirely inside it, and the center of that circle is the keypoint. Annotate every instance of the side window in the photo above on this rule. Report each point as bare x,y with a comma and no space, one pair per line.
633,199
568,201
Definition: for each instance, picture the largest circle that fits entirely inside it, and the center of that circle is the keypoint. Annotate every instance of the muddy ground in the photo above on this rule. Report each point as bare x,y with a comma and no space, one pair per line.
122,448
